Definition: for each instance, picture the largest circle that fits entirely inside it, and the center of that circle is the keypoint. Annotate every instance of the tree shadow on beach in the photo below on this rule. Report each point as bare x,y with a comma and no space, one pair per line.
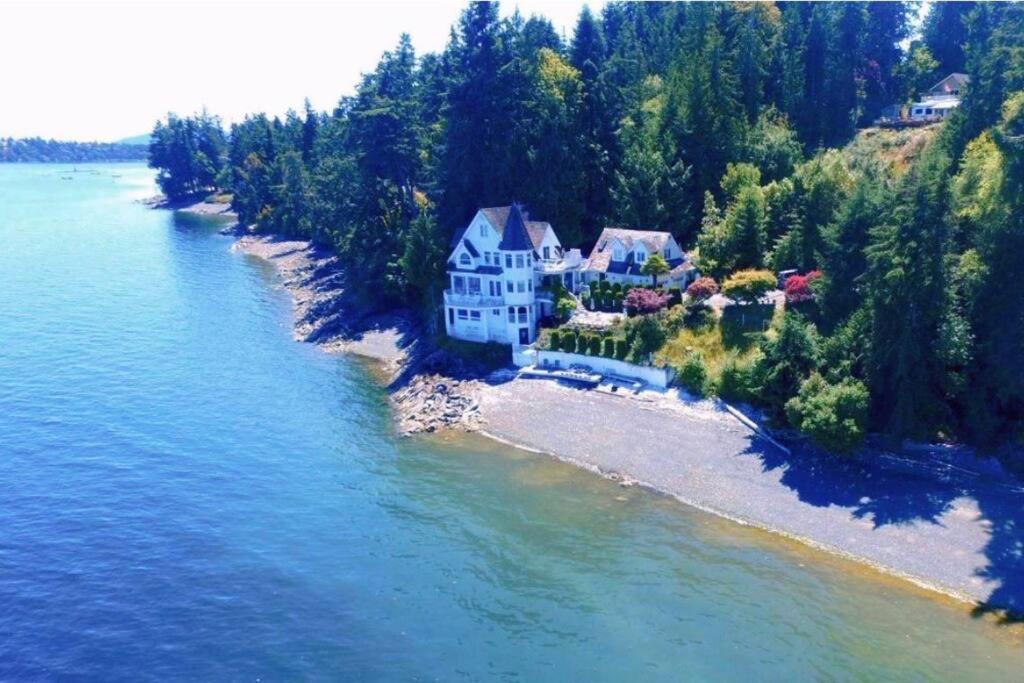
911,488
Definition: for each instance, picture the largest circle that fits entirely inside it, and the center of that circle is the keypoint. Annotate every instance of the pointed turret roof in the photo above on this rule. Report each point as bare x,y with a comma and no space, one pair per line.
514,236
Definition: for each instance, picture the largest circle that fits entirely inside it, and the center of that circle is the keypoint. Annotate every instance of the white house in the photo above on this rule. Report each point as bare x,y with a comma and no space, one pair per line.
500,271
619,256
941,98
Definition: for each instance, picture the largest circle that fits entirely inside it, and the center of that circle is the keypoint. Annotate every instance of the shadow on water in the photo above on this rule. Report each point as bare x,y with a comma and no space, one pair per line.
919,487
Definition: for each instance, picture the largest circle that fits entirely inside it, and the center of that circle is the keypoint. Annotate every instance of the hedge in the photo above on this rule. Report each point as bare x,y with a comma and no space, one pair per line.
609,348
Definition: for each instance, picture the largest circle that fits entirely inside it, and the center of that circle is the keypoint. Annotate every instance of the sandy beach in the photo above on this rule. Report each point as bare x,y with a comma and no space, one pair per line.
928,519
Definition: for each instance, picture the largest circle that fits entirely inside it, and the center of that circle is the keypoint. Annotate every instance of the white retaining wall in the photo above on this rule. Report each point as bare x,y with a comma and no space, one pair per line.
658,377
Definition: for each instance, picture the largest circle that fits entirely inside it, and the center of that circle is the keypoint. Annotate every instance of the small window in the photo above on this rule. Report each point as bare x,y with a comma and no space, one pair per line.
522,314
459,284
529,285
519,260
508,287
520,286
547,253
474,315
511,314
463,314
487,257
465,260
617,254
529,260
483,230
508,260
496,311
667,254
641,256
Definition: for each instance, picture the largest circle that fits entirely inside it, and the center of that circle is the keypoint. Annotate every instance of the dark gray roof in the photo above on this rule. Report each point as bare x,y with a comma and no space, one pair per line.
514,236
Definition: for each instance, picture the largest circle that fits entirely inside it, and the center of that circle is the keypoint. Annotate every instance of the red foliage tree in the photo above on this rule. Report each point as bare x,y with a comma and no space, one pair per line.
799,287
702,288
641,300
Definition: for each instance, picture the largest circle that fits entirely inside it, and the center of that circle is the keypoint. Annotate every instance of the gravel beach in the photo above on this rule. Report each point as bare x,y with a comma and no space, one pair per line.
940,526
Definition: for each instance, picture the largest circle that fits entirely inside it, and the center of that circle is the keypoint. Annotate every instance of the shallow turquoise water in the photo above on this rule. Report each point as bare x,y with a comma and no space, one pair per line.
186,493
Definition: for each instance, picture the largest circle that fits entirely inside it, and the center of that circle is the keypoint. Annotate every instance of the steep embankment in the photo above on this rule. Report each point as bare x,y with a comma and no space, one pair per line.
895,149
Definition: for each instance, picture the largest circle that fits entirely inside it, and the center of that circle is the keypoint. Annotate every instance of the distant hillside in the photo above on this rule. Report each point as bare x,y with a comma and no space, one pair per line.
39,150
135,140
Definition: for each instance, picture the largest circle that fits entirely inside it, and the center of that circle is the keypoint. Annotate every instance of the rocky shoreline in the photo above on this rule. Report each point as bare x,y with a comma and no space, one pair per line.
425,397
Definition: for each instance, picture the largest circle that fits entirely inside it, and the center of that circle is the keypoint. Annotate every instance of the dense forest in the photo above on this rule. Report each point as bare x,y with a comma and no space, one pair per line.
723,123
40,150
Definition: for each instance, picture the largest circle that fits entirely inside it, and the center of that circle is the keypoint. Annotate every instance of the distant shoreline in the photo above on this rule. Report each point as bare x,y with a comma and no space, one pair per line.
693,451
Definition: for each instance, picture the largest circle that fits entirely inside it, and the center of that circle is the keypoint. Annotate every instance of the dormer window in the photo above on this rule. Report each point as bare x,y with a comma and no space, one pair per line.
641,256
465,260
668,253
617,254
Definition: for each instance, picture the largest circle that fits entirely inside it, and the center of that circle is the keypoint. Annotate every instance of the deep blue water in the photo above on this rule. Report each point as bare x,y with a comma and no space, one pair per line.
186,493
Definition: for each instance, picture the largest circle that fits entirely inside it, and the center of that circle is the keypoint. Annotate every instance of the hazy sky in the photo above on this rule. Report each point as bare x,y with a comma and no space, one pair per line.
108,70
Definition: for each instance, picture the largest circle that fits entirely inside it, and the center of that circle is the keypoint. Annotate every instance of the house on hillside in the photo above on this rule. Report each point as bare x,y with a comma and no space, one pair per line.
500,274
940,99
619,256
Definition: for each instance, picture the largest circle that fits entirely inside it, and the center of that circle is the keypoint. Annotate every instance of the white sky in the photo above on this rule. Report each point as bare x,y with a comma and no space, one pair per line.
108,70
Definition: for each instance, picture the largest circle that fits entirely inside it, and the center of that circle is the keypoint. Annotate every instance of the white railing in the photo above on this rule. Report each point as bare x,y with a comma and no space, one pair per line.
453,298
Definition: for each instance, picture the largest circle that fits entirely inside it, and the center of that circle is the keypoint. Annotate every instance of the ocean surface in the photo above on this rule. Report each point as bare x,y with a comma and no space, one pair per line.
188,494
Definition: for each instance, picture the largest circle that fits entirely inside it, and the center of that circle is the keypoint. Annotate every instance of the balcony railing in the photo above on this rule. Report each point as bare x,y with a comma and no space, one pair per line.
478,300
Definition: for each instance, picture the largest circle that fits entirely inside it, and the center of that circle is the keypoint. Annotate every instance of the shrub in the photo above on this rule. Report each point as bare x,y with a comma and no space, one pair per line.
564,309
621,349
747,286
605,286
555,341
617,288
734,381
674,319
569,341
693,375
645,301
616,305
702,288
609,348
675,296
581,343
645,334
594,349
799,287
833,415
585,298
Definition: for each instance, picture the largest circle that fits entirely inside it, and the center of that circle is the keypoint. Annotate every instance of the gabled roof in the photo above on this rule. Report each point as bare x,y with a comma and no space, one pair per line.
498,217
654,240
537,230
471,249
956,81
